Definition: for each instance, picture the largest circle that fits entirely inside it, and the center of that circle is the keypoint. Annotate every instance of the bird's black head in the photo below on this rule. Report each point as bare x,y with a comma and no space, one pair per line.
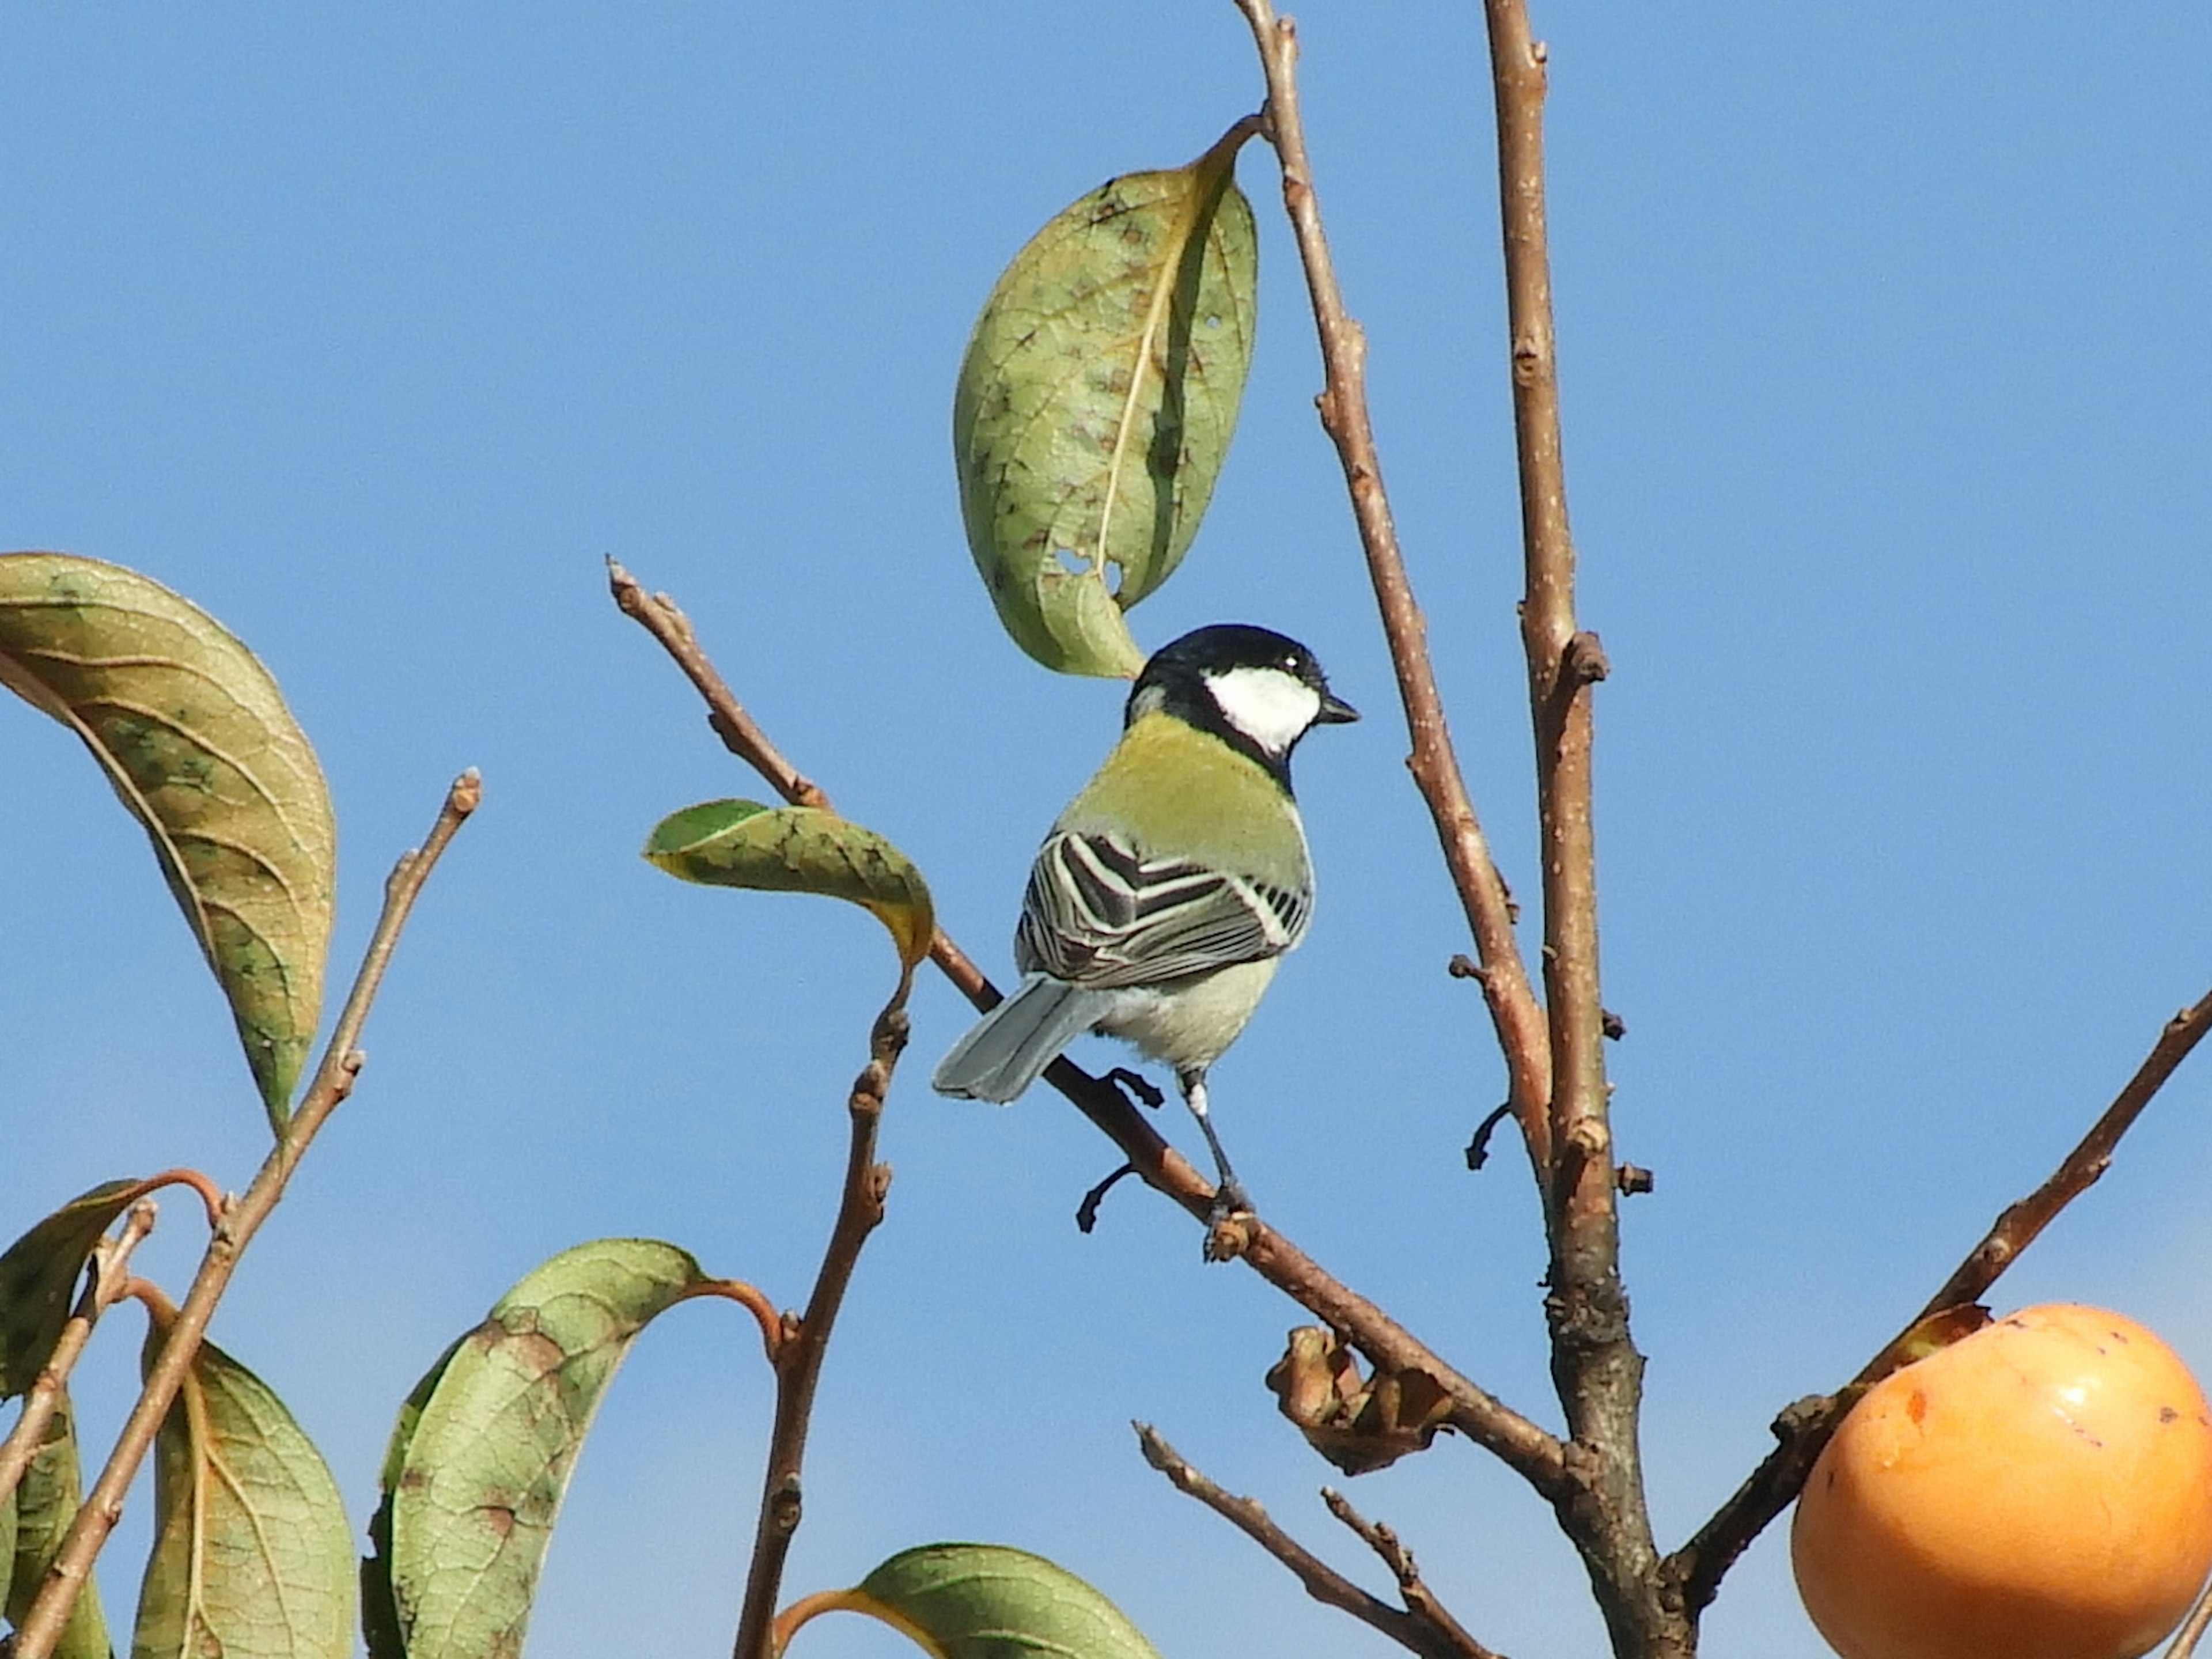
1256,690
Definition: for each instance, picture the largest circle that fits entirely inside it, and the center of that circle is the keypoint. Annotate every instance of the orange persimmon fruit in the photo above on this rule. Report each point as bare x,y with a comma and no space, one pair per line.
2041,1489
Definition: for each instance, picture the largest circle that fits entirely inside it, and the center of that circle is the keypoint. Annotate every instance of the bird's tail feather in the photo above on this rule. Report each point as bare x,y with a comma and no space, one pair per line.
1004,1050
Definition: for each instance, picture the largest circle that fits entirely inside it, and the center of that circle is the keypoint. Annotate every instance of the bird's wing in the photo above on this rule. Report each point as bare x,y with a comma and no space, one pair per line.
1100,914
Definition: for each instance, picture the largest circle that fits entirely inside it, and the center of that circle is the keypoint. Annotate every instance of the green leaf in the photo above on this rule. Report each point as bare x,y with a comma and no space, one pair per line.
252,1558
379,1607
986,1601
47,1502
39,1279
196,739
797,849
473,1482
1097,401
7,1544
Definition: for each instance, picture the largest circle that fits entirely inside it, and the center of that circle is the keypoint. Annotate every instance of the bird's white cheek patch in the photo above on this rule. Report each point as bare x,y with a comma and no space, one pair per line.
1271,708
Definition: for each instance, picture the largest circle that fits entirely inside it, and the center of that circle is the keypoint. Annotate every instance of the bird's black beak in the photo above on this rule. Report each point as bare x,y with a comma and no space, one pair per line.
1334,711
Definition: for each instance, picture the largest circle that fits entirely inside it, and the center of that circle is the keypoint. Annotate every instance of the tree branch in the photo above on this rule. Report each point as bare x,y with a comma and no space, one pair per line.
1343,404
1415,1630
1527,1448
1804,1428
805,1342
104,1287
333,1081
1420,1600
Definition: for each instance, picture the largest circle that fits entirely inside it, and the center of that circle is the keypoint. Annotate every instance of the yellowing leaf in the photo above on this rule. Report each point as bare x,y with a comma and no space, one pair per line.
485,1445
194,736
47,1502
985,1601
797,849
1097,401
39,1276
252,1558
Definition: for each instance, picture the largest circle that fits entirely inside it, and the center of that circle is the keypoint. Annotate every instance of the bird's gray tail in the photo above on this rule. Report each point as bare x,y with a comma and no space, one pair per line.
1004,1050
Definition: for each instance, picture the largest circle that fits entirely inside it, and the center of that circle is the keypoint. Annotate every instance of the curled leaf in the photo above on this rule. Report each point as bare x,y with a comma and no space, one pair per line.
984,1602
797,849
1097,401
47,1502
252,1558
485,1445
194,736
1359,1423
39,1278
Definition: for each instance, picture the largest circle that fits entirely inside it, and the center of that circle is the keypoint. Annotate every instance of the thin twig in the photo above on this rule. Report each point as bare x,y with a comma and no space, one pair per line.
798,1354
1343,405
333,1081
103,1286
1803,1431
1420,1600
1521,1444
2192,1628
1323,1582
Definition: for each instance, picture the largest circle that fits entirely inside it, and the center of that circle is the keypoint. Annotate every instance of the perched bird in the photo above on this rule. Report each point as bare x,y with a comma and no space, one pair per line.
1159,902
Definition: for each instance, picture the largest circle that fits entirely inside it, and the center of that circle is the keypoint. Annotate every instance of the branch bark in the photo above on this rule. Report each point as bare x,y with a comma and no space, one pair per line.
1519,1023
1804,1428
798,1353
1523,1445
1426,1629
1595,1367
342,1062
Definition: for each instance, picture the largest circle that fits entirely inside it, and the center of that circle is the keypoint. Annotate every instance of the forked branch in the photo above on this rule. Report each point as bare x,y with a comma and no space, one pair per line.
43,1623
1421,1627
1520,1442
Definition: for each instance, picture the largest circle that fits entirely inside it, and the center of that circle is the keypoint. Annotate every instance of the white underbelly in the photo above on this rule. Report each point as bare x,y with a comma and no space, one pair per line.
1189,1026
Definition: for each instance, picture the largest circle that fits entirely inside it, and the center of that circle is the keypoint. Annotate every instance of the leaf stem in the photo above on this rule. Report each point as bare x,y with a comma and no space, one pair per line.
342,1062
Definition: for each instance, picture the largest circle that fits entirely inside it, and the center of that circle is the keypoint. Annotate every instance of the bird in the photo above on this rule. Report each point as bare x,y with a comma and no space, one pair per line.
1161,901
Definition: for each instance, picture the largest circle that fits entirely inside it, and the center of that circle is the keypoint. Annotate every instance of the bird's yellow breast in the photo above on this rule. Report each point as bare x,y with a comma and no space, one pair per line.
1181,793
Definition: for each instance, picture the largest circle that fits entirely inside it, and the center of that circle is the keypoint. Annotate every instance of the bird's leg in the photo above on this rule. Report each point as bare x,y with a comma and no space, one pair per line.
1229,1194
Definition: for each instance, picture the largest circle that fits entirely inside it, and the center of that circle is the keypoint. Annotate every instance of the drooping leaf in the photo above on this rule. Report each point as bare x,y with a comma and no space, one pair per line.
252,1558
1097,401
39,1278
473,1487
797,849
194,736
986,1601
379,1608
1360,1424
46,1501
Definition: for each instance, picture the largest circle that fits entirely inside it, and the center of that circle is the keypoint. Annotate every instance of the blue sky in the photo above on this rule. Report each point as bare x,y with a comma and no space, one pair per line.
1888,390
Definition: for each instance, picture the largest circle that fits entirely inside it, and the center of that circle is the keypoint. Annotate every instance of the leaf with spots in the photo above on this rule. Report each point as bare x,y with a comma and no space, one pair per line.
196,739
797,849
485,1445
39,1276
252,1558
984,1602
1097,401
46,1501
